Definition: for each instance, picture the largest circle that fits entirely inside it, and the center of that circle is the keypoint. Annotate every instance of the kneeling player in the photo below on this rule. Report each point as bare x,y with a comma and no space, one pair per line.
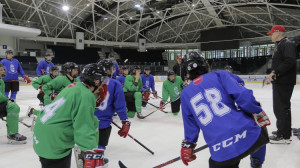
132,89
208,103
122,77
172,87
11,111
42,80
70,120
113,102
148,83
54,87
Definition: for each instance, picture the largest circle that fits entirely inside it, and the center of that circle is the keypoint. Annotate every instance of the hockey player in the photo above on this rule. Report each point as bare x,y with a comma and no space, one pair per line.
13,68
208,103
11,111
173,88
132,89
148,83
237,78
122,77
53,88
70,120
44,65
113,102
109,67
116,68
39,82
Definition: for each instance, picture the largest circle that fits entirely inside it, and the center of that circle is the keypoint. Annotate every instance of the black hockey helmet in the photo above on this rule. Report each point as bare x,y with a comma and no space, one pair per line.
147,68
171,72
67,67
9,52
92,72
53,68
228,68
125,67
106,63
196,65
134,68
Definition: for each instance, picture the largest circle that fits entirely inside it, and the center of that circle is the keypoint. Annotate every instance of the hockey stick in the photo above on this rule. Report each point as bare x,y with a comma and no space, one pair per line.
121,164
158,107
135,139
155,110
178,158
28,126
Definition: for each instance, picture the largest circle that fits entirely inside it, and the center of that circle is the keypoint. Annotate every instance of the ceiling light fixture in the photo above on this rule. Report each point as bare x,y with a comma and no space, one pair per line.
65,8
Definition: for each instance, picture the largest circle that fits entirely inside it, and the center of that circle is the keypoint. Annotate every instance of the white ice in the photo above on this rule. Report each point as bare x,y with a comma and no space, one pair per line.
160,132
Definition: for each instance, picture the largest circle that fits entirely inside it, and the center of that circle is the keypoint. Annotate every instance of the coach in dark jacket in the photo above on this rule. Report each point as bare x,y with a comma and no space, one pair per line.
283,78
179,68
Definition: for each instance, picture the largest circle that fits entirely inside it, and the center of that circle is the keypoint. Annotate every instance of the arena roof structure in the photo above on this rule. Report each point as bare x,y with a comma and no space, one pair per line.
158,21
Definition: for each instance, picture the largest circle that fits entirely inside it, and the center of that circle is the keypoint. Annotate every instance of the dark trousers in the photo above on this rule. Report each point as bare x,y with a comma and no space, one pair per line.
282,109
57,163
175,106
262,140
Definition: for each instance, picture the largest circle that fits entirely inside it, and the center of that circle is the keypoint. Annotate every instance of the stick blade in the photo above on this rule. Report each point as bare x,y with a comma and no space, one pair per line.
121,165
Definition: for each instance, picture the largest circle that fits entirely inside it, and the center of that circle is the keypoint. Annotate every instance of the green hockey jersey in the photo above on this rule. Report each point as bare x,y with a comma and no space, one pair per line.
42,80
172,89
129,84
3,98
58,84
68,120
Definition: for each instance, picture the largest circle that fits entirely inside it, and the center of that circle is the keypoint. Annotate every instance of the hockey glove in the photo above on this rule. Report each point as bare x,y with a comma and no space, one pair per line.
146,95
41,89
184,85
94,158
26,79
125,128
53,96
261,119
162,105
43,71
155,94
102,92
187,152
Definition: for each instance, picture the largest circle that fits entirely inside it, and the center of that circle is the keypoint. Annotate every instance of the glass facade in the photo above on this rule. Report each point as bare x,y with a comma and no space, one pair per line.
246,51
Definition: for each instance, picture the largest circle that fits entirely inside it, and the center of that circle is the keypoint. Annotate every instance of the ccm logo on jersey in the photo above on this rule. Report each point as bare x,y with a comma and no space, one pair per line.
229,141
95,156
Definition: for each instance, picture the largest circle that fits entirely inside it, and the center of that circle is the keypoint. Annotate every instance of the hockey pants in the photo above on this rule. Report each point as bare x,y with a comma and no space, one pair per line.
11,111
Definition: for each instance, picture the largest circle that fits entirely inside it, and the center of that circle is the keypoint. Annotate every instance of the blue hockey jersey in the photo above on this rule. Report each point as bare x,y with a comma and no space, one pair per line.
121,79
113,102
208,103
238,79
117,70
45,66
148,82
13,69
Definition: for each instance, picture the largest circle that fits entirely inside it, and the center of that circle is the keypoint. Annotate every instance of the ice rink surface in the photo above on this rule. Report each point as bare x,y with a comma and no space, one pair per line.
162,133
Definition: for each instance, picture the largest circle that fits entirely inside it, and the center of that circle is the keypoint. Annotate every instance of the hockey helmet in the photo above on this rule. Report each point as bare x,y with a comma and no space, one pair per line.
92,72
171,72
196,65
107,64
125,67
134,68
147,68
53,68
228,68
67,67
